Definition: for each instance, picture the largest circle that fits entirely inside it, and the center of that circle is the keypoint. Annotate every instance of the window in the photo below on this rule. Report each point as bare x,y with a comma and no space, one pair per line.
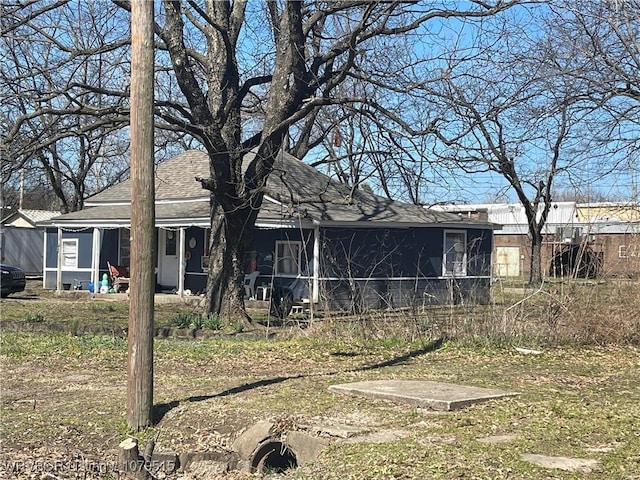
454,262
205,241
204,260
125,247
69,253
288,258
170,246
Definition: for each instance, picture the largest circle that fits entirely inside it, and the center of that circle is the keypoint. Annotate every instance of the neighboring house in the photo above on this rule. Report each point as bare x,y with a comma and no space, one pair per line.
22,240
311,237
607,234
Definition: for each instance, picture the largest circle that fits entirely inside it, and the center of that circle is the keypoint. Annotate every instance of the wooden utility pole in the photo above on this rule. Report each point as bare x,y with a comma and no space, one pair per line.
142,285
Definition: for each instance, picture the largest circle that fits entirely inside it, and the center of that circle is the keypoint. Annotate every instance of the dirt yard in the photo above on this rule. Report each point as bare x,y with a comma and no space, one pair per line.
63,405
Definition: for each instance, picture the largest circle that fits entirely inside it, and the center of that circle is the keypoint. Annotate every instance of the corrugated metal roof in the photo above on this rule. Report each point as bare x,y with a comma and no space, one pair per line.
512,216
31,216
561,213
591,218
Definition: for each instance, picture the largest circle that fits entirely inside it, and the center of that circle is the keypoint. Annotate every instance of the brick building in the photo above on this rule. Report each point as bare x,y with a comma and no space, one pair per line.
607,234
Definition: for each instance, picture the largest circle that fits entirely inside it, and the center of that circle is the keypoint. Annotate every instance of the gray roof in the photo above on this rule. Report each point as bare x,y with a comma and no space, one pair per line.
31,216
174,180
293,190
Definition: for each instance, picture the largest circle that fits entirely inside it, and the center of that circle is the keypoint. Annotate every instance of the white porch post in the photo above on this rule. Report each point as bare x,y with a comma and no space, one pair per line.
181,265
59,262
315,295
95,259
44,260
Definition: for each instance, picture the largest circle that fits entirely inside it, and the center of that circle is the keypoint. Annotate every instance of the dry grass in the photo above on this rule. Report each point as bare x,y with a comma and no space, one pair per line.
63,395
556,313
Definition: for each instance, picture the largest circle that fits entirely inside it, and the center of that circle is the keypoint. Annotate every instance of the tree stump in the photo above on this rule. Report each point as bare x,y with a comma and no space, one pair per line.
130,460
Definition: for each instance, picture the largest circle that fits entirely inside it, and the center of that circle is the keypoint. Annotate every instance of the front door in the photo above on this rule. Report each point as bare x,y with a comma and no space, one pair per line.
168,261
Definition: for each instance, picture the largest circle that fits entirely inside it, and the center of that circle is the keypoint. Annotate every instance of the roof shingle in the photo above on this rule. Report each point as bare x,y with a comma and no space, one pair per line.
298,189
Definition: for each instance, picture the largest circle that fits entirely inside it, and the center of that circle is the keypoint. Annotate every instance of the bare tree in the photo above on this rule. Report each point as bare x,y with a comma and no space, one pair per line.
366,153
295,68
598,44
241,77
506,112
64,86
53,125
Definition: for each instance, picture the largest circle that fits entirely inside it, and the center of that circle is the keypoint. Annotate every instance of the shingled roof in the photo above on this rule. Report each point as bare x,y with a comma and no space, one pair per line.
174,180
293,190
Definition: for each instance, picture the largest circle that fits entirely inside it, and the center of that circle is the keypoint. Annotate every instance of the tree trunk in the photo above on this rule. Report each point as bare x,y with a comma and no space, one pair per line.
535,272
229,243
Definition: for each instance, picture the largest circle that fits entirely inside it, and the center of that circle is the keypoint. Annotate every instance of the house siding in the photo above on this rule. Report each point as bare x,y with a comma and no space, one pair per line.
82,274
393,251
360,268
393,268
360,295
195,278
370,253
411,252
22,247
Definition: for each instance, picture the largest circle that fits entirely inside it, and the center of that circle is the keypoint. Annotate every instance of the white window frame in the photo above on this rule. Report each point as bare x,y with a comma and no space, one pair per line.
463,270
288,244
68,264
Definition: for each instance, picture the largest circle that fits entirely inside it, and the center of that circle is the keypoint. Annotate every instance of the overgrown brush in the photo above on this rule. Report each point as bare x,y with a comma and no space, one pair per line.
571,311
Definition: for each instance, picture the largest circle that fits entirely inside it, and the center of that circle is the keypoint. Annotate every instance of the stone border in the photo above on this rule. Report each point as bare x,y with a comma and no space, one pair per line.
165,332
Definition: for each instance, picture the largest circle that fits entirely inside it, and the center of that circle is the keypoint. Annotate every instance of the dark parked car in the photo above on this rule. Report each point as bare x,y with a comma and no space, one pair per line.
13,280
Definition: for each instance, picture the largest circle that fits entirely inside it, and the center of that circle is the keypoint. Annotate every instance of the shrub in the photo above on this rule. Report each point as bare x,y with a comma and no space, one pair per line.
212,321
185,320
197,321
34,318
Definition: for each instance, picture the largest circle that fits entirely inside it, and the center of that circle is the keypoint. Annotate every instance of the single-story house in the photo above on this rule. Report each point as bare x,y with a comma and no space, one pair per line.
607,233
314,237
22,240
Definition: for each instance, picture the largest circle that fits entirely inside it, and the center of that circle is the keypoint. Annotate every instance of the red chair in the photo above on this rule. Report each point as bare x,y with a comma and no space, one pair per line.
119,277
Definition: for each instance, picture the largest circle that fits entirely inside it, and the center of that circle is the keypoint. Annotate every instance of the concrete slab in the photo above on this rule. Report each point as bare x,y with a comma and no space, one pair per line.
435,395
582,465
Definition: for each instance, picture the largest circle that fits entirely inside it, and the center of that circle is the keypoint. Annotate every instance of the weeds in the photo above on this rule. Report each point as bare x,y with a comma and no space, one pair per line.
197,321
556,313
559,312
74,326
212,322
34,318
237,327
184,320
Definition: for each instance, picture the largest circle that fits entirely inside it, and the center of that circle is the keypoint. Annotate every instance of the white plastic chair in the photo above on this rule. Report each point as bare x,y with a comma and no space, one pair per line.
250,284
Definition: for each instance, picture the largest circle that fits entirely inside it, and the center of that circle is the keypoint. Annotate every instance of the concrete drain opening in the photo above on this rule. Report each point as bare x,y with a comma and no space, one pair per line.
273,457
